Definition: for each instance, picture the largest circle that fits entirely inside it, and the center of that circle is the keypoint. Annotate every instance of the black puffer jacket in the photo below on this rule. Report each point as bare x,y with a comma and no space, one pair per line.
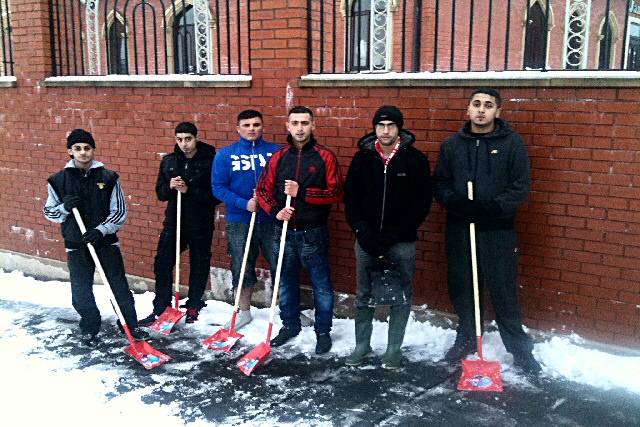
496,163
198,203
395,202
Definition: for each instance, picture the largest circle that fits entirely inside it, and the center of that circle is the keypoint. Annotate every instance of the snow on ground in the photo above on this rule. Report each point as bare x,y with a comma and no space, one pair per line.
39,385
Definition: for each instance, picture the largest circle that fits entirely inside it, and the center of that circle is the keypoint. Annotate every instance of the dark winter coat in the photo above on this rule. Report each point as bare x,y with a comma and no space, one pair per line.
94,187
198,203
315,169
496,163
394,201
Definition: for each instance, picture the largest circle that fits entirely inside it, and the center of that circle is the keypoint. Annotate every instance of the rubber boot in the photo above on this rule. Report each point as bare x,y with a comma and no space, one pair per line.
397,324
364,327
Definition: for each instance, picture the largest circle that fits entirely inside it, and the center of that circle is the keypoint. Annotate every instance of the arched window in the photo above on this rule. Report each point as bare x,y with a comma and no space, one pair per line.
605,57
535,44
184,58
117,48
360,35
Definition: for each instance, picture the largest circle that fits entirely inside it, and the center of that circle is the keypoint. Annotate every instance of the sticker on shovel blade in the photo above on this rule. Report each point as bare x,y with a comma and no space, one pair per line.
248,364
166,326
149,360
481,381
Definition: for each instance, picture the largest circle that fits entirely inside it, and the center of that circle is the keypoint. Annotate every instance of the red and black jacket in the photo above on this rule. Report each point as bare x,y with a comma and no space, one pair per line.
315,168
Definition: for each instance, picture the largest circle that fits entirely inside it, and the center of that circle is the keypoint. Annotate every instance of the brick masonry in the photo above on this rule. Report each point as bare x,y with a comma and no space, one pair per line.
579,230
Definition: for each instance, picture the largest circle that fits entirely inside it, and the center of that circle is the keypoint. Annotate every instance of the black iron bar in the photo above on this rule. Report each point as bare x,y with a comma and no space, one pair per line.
237,37
66,37
506,36
453,35
52,39
546,33
73,39
357,37
185,40
218,35
106,36
606,37
625,52
228,40
309,39
417,35
155,38
249,35
486,62
435,36
347,46
470,48
59,64
333,39
322,36
404,33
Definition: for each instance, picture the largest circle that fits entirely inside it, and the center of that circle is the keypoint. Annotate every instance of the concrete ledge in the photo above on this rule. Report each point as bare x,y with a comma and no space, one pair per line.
8,81
165,80
472,79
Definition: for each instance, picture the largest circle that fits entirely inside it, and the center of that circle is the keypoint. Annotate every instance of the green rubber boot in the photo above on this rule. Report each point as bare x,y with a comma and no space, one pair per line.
397,325
364,327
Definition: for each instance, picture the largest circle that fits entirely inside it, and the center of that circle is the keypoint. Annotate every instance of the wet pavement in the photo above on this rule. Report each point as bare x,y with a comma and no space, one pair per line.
304,389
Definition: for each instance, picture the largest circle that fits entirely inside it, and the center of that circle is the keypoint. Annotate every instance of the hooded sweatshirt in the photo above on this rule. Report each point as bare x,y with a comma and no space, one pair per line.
496,163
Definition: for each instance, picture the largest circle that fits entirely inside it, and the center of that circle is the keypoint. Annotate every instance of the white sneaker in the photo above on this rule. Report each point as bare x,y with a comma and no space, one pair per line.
243,318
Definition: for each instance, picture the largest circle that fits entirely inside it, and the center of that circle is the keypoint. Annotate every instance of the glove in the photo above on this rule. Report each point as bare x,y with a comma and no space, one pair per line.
464,207
370,243
91,236
71,201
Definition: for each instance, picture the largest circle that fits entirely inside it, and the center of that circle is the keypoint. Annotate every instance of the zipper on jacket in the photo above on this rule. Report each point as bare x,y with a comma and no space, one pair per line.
384,197
295,227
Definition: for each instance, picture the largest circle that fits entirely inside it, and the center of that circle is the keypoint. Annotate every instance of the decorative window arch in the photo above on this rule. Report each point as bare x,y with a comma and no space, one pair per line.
369,30
191,36
608,36
537,27
576,34
116,39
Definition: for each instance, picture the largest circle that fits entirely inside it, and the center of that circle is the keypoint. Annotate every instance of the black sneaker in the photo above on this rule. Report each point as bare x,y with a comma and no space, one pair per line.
527,364
192,314
462,347
323,343
284,335
139,334
147,321
89,339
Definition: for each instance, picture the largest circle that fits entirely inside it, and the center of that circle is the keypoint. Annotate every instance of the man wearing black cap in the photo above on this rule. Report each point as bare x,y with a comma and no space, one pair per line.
86,184
387,197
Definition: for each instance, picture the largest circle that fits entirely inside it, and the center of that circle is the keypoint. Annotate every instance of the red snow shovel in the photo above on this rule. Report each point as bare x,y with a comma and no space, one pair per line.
250,361
224,339
172,315
478,375
142,351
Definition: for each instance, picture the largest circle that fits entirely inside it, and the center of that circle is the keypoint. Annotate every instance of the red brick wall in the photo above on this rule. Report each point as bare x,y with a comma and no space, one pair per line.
580,251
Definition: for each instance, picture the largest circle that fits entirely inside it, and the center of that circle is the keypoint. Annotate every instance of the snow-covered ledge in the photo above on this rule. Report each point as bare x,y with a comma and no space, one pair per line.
8,81
162,80
474,78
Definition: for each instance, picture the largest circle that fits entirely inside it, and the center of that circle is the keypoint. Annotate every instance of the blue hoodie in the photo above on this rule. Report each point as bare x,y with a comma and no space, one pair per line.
234,176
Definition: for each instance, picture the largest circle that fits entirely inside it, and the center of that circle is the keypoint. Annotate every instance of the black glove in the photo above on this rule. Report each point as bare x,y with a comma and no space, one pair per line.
91,236
370,243
461,206
71,201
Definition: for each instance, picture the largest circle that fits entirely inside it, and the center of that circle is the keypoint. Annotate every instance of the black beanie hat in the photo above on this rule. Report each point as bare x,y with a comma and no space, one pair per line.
388,112
80,135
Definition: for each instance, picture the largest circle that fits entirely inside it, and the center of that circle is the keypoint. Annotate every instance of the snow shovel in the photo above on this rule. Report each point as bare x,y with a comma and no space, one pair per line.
224,339
172,315
478,375
142,351
250,361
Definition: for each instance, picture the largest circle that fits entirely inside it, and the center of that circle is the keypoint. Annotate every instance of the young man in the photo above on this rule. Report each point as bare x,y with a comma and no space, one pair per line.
387,196
310,174
187,170
86,184
234,178
489,153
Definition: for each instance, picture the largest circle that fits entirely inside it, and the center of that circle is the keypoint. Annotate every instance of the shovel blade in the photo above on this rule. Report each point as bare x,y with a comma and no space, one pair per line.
167,320
148,356
222,340
250,361
480,375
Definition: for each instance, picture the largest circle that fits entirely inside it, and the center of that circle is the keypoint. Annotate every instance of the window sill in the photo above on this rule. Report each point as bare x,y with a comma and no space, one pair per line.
8,81
473,78
166,80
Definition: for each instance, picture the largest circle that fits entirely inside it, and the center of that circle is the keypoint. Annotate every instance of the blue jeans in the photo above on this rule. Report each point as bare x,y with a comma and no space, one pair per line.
306,249
81,269
261,240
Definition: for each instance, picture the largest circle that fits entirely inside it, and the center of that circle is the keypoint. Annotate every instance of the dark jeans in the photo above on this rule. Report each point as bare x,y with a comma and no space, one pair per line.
306,249
199,243
497,252
81,270
403,254
262,239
